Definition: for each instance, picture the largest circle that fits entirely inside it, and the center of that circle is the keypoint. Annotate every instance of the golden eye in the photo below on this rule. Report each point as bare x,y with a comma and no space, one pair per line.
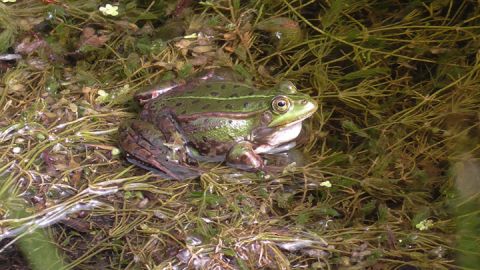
280,104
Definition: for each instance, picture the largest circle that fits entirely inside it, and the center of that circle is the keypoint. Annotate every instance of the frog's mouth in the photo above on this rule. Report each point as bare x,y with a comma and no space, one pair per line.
278,136
289,124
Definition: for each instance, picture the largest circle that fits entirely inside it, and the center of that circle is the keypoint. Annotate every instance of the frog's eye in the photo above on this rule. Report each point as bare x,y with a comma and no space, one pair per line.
280,104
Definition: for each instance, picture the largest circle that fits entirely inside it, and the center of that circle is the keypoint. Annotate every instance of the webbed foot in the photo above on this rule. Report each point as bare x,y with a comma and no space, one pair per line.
146,147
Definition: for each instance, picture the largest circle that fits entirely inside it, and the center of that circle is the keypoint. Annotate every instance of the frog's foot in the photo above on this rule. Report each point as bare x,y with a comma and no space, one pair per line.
145,147
243,157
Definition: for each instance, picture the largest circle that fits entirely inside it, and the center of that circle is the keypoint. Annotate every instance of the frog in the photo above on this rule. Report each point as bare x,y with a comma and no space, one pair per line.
215,116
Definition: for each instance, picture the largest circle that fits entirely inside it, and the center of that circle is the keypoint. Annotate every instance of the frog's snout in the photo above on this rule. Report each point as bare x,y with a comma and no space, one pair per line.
308,106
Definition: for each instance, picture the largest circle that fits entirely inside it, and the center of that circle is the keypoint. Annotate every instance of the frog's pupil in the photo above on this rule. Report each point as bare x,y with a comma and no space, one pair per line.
281,103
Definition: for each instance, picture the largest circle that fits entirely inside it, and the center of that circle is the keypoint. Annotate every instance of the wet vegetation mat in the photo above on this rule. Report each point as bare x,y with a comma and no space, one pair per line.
387,176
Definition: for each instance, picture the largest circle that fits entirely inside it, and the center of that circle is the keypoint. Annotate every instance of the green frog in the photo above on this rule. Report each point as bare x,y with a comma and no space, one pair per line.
215,117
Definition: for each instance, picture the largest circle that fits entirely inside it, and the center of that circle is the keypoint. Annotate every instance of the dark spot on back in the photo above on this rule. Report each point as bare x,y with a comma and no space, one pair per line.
204,107
230,121
234,95
229,106
236,86
183,112
245,105
223,86
208,85
214,94
178,104
204,139
251,93
195,101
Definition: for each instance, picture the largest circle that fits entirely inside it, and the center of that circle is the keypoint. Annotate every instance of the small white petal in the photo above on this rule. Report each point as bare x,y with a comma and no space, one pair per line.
109,10
102,93
326,184
115,151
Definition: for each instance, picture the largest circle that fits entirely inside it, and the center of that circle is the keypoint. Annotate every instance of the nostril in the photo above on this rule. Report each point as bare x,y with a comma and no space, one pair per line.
303,101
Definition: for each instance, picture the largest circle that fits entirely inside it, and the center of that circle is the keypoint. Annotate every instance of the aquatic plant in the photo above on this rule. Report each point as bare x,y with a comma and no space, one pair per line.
392,150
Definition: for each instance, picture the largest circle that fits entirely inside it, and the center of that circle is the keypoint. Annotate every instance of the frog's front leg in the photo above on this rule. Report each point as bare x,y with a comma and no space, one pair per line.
242,156
147,147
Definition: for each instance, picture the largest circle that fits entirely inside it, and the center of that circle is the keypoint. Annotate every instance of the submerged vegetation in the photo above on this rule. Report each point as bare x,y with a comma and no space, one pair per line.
388,177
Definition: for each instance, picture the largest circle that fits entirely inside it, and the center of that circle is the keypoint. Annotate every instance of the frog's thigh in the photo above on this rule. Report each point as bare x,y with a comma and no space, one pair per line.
161,88
242,156
145,146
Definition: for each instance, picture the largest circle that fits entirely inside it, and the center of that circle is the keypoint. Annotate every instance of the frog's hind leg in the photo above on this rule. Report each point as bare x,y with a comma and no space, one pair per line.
220,74
137,162
180,85
146,147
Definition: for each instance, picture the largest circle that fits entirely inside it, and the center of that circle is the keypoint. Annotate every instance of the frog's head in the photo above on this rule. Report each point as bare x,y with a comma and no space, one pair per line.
290,106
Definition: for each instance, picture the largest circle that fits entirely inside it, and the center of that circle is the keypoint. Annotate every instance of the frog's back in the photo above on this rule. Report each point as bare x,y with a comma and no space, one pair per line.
215,96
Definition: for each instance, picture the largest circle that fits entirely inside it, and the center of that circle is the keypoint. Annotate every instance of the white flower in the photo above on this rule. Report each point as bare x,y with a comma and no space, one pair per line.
108,10
9,1
102,93
115,151
326,184
424,224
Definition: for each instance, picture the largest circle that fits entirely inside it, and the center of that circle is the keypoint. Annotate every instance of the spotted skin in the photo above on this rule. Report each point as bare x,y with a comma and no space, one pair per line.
211,119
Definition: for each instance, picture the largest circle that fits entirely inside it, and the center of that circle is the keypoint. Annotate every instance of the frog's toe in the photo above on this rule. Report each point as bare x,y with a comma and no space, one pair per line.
170,171
243,157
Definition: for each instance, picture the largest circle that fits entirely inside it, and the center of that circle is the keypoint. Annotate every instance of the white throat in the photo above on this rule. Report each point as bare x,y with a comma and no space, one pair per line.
280,137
